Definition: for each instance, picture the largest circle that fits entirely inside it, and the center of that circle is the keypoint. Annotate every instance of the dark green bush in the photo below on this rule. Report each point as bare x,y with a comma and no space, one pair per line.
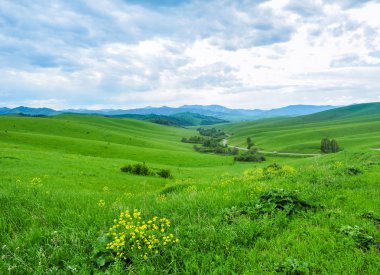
142,170
353,171
268,204
164,173
137,169
276,200
250,156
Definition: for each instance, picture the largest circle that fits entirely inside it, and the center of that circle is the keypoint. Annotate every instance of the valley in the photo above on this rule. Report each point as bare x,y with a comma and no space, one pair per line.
61,188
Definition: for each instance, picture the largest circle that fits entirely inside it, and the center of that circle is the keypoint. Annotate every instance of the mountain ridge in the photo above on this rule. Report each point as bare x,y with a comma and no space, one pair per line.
216,111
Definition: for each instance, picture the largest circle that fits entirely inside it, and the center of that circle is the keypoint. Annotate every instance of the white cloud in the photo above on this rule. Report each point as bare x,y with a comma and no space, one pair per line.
251,54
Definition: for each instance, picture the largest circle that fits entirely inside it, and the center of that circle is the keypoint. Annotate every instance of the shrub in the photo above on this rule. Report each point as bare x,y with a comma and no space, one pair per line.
359,235
280,200
126,169
269,204
250,156
164,173
138,169
353,171
132,238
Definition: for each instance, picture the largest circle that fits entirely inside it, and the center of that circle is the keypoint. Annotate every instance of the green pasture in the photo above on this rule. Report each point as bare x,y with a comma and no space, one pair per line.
61,188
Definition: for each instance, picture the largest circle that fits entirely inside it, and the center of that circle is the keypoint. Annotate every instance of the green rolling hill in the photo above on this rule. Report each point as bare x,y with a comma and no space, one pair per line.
357,127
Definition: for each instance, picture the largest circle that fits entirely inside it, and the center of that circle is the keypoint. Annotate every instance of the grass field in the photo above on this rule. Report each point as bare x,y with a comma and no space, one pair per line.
61,188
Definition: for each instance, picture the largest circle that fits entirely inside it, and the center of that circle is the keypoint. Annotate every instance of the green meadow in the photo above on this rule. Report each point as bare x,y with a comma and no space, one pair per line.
61,189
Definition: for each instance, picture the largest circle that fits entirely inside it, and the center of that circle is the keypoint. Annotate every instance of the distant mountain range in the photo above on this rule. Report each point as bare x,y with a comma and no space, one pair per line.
215,111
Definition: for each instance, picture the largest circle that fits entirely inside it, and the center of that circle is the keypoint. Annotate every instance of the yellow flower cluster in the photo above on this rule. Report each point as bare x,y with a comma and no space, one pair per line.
161,197
101,203
254,174
259,173
131,236
338,164
191,189
36,182
288,170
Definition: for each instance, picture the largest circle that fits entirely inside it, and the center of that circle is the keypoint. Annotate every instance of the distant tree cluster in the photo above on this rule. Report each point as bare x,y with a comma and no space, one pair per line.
194,139
212,132
217,149
251,155
329,146
142,169
211,141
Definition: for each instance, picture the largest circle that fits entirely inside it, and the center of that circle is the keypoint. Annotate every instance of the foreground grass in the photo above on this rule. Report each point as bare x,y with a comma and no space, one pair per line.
56,205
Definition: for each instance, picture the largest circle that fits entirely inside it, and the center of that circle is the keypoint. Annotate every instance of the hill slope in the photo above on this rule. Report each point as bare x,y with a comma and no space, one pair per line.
96,136
356,127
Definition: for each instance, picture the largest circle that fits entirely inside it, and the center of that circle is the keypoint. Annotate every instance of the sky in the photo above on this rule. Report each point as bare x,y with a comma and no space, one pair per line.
240,54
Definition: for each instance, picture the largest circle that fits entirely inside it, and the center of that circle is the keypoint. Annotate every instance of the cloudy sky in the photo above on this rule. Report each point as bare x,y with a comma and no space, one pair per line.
131,53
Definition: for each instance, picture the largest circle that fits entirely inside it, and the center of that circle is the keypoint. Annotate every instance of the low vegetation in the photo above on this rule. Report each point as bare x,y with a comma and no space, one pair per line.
141,169
194,139
251,155
211,141
359,235
132,238
212,132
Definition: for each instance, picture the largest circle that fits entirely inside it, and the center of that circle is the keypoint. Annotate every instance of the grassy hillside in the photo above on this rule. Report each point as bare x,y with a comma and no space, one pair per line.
61,189
356,127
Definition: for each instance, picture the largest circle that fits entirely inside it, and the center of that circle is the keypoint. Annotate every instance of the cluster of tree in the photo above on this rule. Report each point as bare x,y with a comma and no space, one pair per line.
177,120
194,139
142,169
31,115
210,139
218,149
251,155
329,146
212,132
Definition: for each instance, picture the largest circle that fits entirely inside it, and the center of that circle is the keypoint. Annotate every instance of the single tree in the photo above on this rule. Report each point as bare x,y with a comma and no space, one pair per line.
325,145
249,143
334,147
